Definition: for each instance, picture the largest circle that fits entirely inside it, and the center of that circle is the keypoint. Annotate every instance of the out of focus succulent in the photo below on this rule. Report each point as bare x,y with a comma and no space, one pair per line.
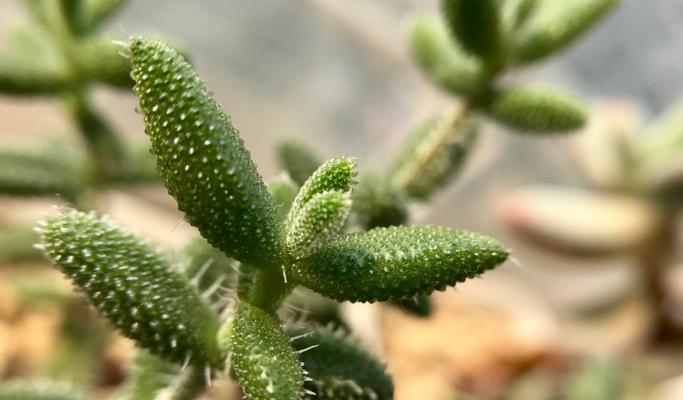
465,54
629,205
61,54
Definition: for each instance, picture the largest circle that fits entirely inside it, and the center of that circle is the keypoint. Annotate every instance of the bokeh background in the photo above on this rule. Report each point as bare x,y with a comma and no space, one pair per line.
339,76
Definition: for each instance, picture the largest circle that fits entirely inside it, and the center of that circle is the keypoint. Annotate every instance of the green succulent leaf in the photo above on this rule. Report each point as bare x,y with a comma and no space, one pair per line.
102,60
397,262
516,13
476,25
298,160
321,219
435,153
263,360
134,286
377,202
20,389
283,191
536,111
201,157
442,60
557,24
40,173
100,11
337,174
29,77
339,367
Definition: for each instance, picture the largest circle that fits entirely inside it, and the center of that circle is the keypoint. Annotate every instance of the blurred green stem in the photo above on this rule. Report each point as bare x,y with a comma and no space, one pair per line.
190,384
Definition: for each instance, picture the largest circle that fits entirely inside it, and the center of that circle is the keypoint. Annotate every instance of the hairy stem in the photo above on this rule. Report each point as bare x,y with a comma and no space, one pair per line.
443,135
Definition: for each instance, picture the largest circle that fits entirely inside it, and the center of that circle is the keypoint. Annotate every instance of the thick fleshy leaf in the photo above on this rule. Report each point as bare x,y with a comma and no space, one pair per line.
102,60
201,157
40,174
377,202
442,60
557,24
476,25
435,153
516,13
536,111
397,262
134,286
298,160
579,222
337,174
339,366
27,77
321,219
264,361
38,390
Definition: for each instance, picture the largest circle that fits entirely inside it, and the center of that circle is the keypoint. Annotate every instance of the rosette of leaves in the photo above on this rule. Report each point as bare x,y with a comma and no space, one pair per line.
61,54
476,42
209,171
628,206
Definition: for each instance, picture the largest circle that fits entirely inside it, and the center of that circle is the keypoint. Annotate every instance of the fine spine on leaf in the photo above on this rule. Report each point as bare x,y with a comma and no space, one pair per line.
476,25
264,362
536,111
201,157
134,286
442,60
556,25
298,160
397,262
339,365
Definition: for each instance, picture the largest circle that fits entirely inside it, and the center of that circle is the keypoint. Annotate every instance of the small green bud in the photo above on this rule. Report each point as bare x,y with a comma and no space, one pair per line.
298,160
320,220
264,362
340,367
476,25
201,157
435,153
37,390
536,111
442,60
134,286
337,174
556,25
397,262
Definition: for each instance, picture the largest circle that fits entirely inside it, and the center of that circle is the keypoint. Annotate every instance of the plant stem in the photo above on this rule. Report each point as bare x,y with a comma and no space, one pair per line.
446,131
189,385
654,260
268,289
